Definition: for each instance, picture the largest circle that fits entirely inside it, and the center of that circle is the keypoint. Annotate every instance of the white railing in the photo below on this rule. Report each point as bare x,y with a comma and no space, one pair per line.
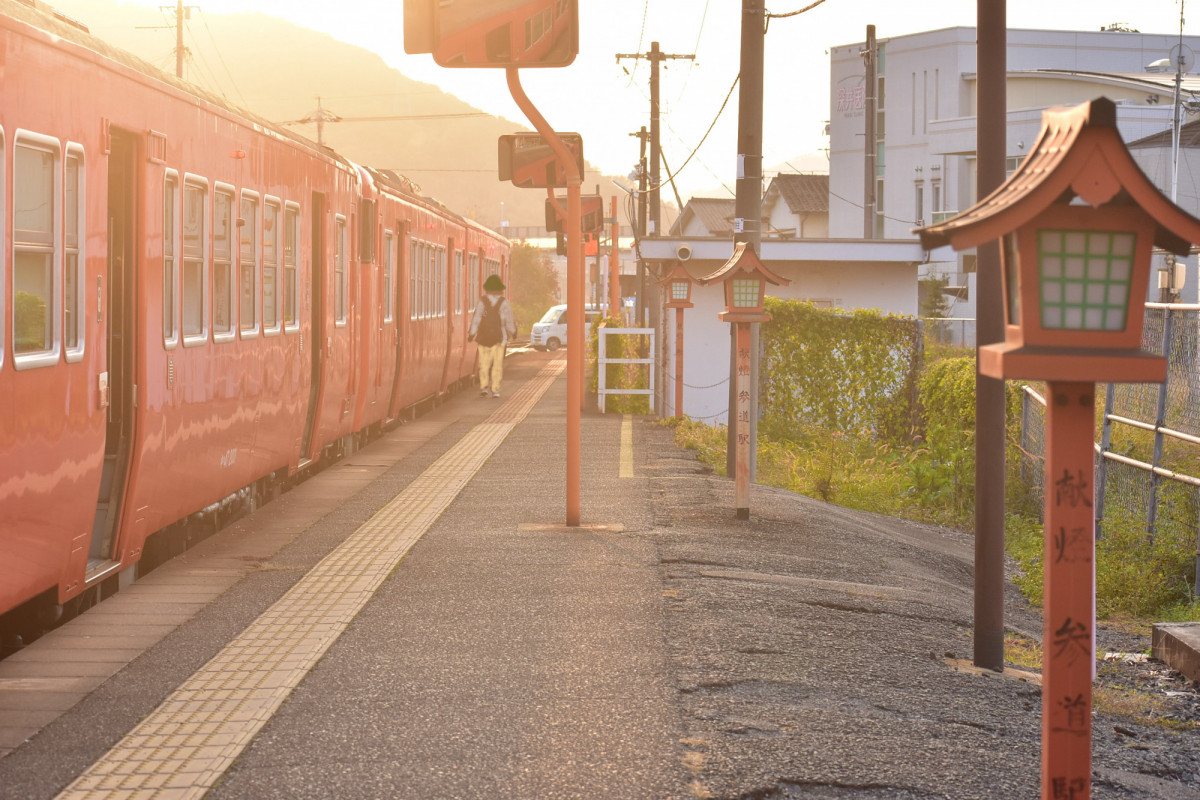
602,361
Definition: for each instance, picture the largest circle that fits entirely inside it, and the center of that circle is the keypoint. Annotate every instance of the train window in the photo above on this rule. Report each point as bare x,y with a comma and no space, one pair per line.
73,260
439,281
389,269
248,255
414,281
473,276
459,294
339,272
223,263
270,266
36,284
170,259
195,240
291,246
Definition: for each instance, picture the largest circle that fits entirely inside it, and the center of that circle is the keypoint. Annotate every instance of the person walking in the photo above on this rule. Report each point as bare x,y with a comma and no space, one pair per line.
492,325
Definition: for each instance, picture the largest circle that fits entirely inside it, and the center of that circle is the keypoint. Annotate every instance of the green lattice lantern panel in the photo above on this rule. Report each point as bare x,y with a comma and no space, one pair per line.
746,292
679,290
1084,279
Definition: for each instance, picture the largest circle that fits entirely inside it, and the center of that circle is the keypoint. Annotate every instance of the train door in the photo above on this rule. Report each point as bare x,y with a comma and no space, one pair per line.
118,317
317,345
447,279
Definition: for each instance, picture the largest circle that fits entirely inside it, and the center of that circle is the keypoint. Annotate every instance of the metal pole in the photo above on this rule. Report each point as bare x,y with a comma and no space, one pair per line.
1110,396
655,144
614,268
179,39
573,225
869,136
989,392
1160,420
643,208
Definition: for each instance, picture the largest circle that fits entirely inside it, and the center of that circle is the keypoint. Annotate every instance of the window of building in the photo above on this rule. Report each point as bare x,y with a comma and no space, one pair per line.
170,259
270,266
919,201
195,283
339,272
73,260
223,229
248,256
291,246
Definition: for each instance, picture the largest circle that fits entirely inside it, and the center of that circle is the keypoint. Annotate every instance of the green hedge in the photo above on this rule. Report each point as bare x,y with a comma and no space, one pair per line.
848,371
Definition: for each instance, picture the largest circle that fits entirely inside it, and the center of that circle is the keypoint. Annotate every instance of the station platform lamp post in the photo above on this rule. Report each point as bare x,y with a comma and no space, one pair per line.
678,287
1077,222
745,278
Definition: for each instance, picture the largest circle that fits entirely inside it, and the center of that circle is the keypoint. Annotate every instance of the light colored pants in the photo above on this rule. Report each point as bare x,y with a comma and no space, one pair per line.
491,362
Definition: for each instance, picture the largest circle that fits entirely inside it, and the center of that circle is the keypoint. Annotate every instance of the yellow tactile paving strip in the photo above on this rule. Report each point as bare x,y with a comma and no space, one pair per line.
184,746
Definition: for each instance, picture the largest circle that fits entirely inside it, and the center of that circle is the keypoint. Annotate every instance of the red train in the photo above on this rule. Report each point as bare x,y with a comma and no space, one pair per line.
195,306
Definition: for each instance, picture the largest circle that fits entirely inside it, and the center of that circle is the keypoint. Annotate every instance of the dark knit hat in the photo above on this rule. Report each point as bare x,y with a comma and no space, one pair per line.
493,284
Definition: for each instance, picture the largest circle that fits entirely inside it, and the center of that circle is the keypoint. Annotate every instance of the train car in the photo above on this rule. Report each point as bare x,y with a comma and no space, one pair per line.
195,307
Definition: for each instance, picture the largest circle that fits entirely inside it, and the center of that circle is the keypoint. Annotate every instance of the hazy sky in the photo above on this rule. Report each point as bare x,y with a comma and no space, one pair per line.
606,101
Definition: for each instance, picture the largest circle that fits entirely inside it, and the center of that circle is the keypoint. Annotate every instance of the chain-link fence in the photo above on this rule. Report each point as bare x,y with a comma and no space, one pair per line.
949,332
1148,457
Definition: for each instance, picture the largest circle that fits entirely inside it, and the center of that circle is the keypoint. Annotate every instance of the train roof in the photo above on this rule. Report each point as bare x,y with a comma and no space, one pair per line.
41,15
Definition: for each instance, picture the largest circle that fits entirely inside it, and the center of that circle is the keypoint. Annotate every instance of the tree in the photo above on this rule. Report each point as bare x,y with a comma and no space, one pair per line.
532,284
932,300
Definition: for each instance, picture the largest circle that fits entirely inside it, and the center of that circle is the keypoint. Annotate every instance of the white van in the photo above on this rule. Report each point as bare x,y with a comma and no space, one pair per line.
550,332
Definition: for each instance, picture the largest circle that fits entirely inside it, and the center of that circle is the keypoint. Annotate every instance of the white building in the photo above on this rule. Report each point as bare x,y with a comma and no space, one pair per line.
845,273
925,121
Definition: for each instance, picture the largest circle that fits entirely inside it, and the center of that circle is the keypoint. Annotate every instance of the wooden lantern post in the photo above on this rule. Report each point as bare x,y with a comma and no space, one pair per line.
1077,221
745,278
678,286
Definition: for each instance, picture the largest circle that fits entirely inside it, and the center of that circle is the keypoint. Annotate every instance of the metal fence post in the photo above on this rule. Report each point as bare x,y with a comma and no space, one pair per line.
1110,397
1160,420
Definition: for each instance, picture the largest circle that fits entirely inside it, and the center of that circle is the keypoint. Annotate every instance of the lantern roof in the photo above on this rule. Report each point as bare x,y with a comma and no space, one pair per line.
678,273
744,259
1078,154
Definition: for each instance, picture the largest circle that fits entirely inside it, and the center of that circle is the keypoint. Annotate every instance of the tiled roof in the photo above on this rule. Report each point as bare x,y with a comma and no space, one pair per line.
715,213
1189,136
804,194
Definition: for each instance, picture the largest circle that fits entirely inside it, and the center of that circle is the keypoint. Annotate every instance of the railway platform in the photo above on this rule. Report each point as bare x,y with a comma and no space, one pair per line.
417,622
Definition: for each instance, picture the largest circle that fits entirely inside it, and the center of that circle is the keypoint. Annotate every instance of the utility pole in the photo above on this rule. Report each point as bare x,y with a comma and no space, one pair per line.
990,122
640,231
655,56
870,55
747,223
182,13
321,116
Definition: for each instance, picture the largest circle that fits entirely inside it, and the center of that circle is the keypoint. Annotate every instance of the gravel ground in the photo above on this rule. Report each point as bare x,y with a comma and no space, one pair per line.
814,649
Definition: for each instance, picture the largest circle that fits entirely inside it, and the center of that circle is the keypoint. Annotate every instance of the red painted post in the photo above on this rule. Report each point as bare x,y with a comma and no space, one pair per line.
575,290
678,363
1068,650
741,481
614,269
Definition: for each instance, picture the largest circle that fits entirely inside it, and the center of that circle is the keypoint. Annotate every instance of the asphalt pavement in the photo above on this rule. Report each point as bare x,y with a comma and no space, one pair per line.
661,650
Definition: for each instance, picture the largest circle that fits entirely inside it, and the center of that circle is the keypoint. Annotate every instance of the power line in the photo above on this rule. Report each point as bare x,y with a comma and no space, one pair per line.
786,14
